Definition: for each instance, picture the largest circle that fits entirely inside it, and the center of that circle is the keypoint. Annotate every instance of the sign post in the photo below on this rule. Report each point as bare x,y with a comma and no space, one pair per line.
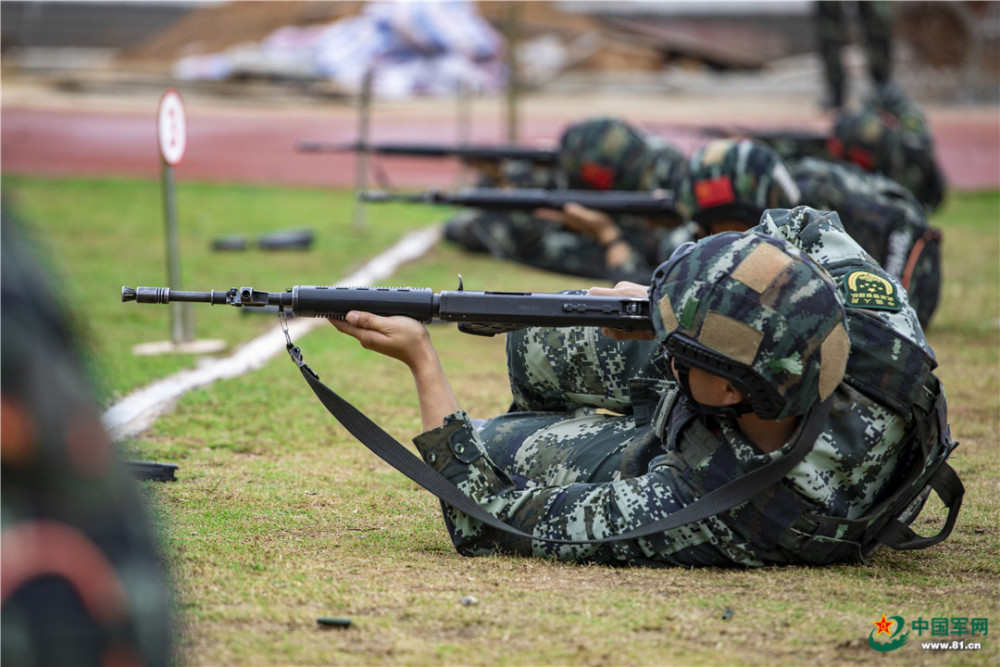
172,131
361,166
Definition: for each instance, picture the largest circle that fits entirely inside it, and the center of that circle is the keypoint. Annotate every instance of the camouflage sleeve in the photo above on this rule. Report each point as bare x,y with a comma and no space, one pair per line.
570,512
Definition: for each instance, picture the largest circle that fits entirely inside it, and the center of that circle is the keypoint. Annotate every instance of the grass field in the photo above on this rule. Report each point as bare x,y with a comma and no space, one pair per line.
279,517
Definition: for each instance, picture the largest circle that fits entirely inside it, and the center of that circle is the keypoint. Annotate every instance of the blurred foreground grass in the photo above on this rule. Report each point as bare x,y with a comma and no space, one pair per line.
279,517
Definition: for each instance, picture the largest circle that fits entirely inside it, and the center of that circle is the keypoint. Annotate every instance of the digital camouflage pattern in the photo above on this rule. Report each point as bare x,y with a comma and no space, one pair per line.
875,19
757,311
735,180
559,468
885,219
82,583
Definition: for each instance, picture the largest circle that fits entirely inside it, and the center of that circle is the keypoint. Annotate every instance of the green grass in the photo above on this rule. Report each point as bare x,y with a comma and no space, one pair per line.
279,517
104,234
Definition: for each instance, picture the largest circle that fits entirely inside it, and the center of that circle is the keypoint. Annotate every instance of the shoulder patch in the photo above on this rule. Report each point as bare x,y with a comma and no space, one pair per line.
863,289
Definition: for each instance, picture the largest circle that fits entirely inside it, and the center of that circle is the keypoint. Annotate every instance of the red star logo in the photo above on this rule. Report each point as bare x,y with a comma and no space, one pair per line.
883,626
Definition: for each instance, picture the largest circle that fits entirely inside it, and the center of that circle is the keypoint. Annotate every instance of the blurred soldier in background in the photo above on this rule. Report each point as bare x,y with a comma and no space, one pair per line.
832,31
81,581
596,154
890,135
730,182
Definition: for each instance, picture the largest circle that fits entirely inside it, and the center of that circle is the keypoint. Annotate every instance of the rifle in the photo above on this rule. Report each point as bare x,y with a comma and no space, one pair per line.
657,202
467,153
479,313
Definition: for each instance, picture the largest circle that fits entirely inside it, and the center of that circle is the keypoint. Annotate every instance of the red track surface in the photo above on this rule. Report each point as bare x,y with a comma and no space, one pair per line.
232,143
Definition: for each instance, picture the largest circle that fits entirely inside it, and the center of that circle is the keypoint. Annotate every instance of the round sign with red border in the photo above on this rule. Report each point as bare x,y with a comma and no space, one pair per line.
172,127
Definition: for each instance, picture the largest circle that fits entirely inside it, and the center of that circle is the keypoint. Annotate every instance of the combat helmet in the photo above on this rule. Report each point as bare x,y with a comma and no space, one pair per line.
758,312
602,154
735,179
665,169
869,139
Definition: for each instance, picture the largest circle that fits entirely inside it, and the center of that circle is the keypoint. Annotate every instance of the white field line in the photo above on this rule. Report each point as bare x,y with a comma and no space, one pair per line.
136,412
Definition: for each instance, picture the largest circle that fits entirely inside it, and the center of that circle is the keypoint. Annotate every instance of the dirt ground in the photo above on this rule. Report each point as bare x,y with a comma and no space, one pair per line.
108,128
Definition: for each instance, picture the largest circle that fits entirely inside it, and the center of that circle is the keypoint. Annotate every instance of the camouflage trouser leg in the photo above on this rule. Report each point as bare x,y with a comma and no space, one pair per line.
830,34
876,27
567,368
557,448
559,378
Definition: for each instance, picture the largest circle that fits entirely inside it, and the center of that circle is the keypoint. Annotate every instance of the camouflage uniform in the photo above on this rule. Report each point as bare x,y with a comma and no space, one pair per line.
875,20
558,467
598,154
82,583
890,135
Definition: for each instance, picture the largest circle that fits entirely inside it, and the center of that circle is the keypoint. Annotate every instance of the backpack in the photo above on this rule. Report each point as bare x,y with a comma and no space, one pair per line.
885,219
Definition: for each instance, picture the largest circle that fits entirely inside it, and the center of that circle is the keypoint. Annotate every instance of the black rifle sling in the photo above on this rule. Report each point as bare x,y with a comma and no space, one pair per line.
731,494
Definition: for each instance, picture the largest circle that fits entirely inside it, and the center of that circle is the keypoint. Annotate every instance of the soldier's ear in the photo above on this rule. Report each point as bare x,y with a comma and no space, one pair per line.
731,395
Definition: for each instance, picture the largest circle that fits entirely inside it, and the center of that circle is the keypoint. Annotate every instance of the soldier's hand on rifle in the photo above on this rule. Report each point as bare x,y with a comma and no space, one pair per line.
595,224
405,339
402,338
626,289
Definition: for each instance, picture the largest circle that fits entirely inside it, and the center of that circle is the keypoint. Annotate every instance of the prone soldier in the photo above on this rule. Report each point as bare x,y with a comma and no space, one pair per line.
598,154
768,346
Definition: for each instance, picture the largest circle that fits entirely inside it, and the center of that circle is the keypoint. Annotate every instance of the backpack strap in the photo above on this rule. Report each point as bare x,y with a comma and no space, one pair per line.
950,490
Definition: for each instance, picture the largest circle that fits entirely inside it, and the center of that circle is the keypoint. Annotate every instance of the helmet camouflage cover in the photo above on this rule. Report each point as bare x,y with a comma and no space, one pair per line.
603,154
665,169
869,139
757,311
736,179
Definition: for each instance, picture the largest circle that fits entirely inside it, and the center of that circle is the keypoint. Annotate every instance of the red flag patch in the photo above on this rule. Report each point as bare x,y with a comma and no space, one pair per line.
714,192
597,176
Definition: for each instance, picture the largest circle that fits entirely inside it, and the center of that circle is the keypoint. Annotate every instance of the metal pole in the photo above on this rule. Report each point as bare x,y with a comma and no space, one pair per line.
361,166
181,324
463,118
513,78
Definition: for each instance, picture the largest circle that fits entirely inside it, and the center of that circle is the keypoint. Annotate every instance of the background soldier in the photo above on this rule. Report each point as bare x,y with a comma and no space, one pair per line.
730,183
597,154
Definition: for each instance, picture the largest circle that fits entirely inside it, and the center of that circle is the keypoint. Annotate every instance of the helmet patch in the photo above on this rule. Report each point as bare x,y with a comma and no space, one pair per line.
833,354
730,337
667,314
761,267
716,191
863,289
